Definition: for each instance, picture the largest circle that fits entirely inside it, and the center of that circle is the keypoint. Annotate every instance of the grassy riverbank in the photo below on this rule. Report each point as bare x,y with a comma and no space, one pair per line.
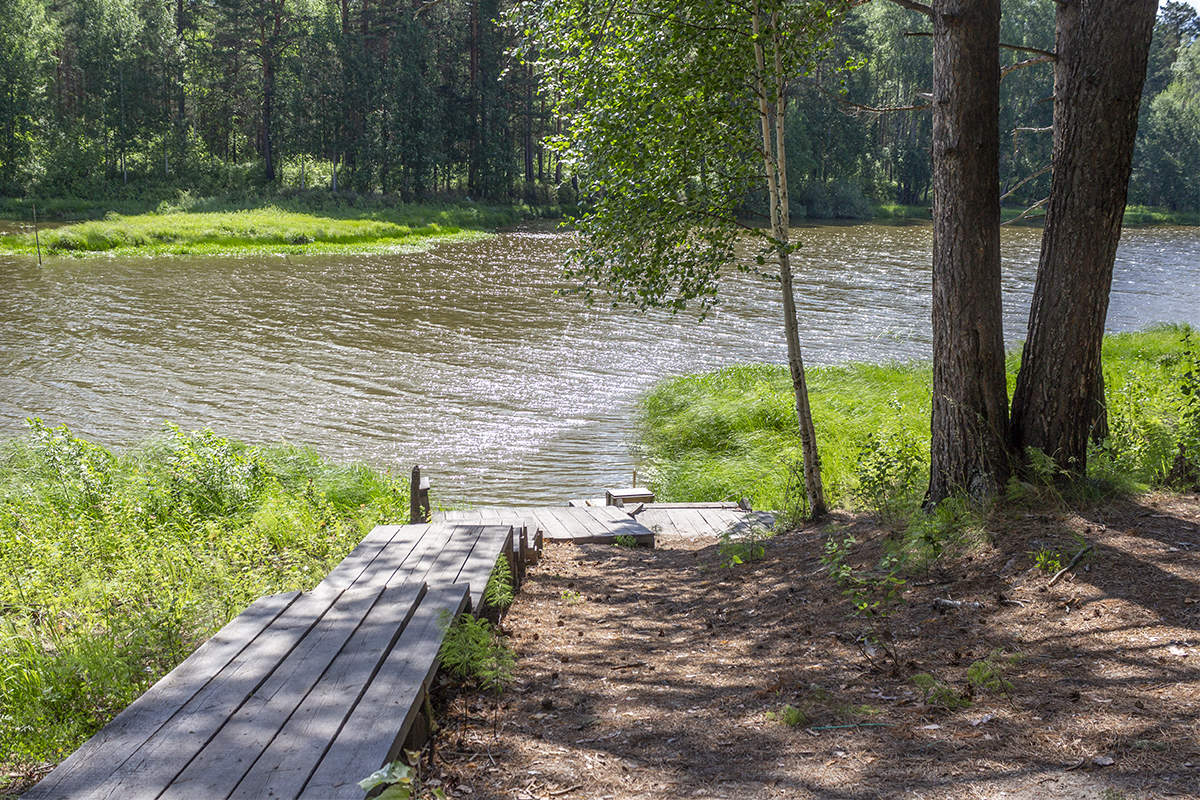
732,433
298,223
1134,215
113,567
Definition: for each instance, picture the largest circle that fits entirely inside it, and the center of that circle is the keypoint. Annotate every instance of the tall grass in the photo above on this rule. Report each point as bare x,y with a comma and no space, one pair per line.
114,566
732,433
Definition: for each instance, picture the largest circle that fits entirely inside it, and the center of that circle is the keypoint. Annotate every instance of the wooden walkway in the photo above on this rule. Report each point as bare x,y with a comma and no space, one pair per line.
593,524
303,694
695,520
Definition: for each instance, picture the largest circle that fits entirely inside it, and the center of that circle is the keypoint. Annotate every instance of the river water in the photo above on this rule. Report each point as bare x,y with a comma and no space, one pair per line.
464,358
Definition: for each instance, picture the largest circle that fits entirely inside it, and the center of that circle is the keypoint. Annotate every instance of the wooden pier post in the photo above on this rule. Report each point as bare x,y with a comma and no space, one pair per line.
418,498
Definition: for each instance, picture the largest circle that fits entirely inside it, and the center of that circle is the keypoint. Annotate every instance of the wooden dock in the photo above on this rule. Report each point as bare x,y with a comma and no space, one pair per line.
589,522
590,525
698,520
304,694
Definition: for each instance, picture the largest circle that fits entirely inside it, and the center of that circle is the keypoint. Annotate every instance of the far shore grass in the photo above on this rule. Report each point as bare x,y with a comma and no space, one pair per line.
731,433
1135,216
268,228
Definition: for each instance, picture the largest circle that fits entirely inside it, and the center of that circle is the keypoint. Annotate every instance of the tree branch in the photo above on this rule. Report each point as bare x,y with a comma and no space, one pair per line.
1026,180
1027,211
912,5
1029,62
1004,45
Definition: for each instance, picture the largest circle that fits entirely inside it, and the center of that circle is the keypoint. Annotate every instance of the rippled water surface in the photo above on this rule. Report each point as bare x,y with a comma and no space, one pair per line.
463,358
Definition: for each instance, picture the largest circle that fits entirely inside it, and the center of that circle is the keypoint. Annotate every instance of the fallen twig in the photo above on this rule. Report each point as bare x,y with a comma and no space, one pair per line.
1070,566
946,604
851,725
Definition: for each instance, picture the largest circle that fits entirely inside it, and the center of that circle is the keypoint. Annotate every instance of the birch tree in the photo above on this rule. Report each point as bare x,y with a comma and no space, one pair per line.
675,115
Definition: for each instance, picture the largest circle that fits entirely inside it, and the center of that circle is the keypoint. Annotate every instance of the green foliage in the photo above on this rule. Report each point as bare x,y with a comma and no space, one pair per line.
988,674
1047,560
891,473
499,592
874,594
473,651
571,597
114,566
187,228
622,540
789,715
399,781
662,132
937,694
743,546
732,432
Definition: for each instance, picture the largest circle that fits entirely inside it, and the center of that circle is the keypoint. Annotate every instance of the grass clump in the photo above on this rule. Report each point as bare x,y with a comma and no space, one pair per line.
732,433
789,715
115,566
199,228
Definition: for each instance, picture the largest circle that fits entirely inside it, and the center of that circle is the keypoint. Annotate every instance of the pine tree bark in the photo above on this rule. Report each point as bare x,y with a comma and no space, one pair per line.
1102,47
970,400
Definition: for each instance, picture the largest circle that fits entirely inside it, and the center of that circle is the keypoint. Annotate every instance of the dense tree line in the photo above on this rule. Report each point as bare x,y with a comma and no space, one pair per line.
428,97
852,137
413,98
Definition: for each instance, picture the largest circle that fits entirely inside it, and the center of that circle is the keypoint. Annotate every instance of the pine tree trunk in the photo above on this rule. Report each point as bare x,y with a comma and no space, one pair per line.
1102,47
970,400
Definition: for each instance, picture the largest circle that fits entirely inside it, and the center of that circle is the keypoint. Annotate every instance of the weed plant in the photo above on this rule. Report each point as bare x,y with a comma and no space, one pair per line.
499,593
115,566
474,652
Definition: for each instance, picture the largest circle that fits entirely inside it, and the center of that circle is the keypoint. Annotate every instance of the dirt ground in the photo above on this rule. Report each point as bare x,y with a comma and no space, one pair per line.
661,674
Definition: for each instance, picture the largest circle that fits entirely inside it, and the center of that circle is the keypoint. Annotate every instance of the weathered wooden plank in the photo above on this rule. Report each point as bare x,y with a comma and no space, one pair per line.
721,520
461,516
576,521
475,570
151,768
101,755
552,528
233,749
375,731
719,504
615,523
699,525
417,564
408,543
347,572
285,764
444,570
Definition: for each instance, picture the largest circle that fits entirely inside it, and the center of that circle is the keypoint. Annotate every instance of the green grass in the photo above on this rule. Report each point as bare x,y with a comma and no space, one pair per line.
732,433
1149,215
268,228
1134,215
114,566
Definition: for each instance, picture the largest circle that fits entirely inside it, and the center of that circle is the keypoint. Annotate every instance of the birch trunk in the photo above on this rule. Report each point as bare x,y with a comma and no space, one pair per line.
775,163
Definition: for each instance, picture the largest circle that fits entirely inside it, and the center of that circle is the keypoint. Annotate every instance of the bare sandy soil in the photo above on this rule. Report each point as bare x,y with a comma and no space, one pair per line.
661,674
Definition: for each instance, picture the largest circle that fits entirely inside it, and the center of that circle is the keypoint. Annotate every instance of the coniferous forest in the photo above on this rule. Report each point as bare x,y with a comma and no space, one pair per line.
141,99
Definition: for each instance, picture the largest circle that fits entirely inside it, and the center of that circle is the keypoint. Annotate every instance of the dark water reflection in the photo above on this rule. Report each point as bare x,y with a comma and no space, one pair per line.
463,358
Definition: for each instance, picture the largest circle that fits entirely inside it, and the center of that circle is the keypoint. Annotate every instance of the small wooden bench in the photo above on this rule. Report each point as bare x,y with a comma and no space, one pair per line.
303,694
